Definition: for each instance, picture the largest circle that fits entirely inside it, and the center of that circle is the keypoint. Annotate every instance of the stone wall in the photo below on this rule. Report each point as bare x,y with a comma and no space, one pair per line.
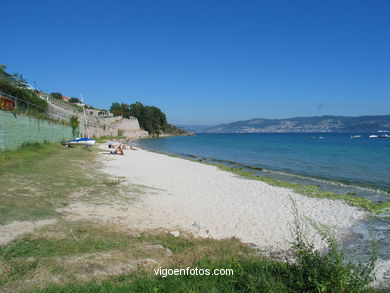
98,126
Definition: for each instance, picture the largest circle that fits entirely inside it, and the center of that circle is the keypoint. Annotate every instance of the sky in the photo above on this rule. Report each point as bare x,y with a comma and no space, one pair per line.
206,62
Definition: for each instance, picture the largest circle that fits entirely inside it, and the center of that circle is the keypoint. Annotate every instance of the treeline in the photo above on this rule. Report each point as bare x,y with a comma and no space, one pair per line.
150,118
15,85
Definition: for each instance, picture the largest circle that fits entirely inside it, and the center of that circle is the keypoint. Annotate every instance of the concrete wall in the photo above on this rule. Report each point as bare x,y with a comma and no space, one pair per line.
16,130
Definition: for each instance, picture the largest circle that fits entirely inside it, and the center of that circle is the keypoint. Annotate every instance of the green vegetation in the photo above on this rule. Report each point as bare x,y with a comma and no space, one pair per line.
315,271
174,130
76,238
309,190
74,100
56,95
64,250
75,123
15,79
36,179
150,118
28,100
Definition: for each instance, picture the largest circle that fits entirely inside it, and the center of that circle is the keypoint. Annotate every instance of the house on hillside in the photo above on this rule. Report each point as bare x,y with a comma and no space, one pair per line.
43,95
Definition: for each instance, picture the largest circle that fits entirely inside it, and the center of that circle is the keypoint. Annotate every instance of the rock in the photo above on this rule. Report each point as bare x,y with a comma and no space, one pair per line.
196,226
175,233
168,251
158,246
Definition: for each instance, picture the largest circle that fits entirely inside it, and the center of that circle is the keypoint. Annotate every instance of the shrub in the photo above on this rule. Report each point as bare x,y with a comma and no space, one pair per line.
57,96
327,271
27,98
74,100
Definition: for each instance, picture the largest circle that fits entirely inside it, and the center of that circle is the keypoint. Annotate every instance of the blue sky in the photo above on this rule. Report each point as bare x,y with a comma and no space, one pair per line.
207,62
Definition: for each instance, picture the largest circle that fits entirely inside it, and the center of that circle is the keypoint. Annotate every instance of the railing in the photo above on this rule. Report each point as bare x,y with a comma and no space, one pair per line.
13,104
63,104
26,107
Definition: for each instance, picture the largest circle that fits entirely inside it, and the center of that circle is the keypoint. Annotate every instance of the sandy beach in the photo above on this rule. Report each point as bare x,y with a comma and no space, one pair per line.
201,199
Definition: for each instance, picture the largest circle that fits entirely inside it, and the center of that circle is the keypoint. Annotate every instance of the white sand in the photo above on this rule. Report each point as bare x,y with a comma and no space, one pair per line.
210,202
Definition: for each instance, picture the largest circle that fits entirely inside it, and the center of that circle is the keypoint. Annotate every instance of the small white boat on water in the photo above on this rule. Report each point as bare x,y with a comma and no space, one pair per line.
355,136
384,136
373,136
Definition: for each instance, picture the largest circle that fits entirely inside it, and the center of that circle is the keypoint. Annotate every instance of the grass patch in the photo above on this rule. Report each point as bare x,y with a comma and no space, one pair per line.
38,178
312,270
71,238
68,250
250,276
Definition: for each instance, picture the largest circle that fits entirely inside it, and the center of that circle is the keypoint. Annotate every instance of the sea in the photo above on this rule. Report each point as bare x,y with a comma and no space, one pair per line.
337,162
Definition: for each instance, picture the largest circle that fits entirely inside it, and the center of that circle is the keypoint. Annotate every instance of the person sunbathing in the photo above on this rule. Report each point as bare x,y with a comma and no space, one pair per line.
118,151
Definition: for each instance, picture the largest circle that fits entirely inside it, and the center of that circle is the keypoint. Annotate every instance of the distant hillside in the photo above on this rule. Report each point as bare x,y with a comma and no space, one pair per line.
306,124
194,128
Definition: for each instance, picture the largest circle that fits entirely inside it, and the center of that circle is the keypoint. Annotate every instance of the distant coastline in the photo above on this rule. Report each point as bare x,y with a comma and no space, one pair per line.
325,124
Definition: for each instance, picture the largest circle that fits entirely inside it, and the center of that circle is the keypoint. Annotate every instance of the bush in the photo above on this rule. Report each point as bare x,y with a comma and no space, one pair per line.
74,100
316,271
57,96
26,96
150,118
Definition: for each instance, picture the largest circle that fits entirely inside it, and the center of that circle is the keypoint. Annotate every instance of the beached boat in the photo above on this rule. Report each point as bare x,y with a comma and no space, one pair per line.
85,141
80,141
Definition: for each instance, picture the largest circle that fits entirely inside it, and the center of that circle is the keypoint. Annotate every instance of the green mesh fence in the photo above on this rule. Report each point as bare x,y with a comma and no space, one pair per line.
15,130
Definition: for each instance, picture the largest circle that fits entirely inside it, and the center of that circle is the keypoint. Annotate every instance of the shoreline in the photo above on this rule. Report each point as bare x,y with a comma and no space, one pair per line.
209,202
307,188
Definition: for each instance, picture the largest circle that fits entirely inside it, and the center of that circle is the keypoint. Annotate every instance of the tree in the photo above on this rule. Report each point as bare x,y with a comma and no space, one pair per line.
3,68
56,95
150,118
74,100
120,109
74,123
20,81
6,76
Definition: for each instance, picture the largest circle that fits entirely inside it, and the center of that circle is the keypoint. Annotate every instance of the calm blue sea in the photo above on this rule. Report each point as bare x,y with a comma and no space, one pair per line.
363,162
333,162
